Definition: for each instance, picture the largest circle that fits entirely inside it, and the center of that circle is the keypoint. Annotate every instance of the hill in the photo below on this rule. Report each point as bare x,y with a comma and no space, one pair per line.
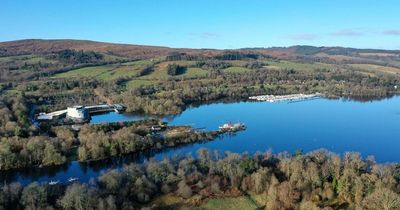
37,58
39,46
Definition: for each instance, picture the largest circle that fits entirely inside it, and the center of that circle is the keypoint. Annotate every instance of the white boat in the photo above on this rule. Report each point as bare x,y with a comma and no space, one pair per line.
54,182
232,127
72,179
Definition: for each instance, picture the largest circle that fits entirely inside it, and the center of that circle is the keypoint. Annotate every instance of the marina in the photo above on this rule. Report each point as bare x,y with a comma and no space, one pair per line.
285,98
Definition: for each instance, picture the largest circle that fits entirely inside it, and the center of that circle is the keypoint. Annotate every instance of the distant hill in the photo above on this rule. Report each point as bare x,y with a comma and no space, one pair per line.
41,46
35,58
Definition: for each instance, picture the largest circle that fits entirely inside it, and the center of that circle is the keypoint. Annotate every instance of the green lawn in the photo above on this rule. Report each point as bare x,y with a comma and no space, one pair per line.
194,72
29,59
228,203
157,74
94,71
236,69
108,72
298,66
12,92
376,68
17,57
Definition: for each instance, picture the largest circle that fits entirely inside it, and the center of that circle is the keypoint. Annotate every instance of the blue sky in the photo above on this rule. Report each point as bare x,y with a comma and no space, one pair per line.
207,23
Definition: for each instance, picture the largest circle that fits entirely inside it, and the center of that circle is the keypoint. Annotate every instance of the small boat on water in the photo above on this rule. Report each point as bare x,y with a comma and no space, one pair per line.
232,127
54,182
72,179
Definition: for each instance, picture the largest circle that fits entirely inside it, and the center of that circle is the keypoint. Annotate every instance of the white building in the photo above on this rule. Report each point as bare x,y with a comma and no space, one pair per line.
77,112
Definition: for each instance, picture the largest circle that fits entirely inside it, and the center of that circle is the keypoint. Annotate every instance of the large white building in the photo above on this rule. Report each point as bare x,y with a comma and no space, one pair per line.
80,113
77,112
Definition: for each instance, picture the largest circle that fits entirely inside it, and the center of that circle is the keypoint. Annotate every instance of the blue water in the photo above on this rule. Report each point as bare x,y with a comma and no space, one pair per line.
371,128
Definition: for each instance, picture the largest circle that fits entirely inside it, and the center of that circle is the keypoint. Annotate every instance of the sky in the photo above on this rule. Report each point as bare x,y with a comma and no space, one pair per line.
220,24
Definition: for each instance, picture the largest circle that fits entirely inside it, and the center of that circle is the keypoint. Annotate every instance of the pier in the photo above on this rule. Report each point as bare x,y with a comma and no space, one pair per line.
288,98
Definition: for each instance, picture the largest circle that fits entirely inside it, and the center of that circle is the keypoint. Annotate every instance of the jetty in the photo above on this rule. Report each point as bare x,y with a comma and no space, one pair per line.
287,98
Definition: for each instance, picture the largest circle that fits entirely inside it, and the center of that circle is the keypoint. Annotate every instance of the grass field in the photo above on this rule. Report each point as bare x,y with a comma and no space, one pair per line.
94,71
107,72
17,57
158,73
236,69
28,59
132,69
375,68
160,70
175,202
298,66
194,72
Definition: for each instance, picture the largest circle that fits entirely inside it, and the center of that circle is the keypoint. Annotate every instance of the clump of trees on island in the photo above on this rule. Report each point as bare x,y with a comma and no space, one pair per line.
94,142
106,140
317,180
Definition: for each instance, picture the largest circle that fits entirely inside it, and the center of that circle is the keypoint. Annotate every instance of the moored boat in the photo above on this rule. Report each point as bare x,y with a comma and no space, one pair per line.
72,179
54,182
232,127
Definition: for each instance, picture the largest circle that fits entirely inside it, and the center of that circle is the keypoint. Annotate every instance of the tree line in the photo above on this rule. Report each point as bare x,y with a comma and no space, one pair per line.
173,95
94,142
317,180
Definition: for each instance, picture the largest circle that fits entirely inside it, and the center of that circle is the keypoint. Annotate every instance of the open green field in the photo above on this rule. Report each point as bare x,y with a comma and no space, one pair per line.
114,71
94,71
194,73
160,70
107,72
228,203
299,66
28,59
16,58
157,73
236,69
376,68
132,69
